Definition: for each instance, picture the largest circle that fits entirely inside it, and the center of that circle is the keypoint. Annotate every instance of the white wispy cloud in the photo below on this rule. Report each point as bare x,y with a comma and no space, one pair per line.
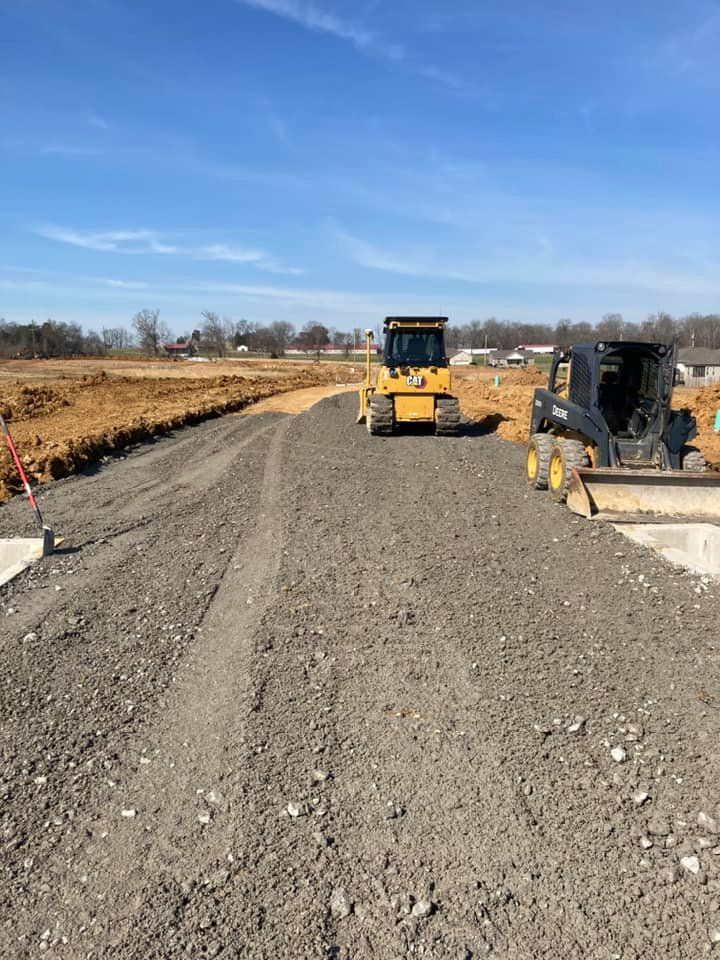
126,284
309,15
695,50
70,297
152,242
95,120
536,264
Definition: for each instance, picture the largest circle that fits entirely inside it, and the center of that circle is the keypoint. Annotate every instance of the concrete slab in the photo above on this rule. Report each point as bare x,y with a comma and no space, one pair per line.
692,545
17,554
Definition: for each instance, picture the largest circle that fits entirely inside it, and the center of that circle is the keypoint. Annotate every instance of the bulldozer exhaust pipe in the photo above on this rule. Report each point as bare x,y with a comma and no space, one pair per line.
642,496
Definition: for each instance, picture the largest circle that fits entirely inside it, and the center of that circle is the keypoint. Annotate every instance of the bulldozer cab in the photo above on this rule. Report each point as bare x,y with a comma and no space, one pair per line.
411,342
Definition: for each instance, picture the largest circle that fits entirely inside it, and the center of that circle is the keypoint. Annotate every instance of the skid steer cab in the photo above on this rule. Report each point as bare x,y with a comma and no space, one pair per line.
603,436
412,384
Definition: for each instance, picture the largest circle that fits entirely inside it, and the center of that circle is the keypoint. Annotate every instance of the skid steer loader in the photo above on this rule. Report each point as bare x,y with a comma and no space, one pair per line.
412,384
603,437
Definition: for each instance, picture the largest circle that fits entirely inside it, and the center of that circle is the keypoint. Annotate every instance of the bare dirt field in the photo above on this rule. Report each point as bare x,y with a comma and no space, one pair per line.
291,691
66,414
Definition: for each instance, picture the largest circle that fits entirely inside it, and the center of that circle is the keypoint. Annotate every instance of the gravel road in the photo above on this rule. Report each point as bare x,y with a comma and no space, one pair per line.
290,691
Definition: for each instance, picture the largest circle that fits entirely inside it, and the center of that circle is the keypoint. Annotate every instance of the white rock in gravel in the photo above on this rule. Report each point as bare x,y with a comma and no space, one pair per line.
640,798
29,637
635,731
423,908
658,826
691,864
577,726
204,818
618,754
645,842
340,904
708,823
128,814
320,776
296,809
714,935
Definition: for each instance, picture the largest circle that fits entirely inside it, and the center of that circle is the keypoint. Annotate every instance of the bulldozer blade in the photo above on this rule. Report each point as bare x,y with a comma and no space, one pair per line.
626,496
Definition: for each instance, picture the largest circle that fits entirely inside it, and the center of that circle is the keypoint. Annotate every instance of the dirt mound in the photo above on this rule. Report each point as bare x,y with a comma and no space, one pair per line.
30,400
504,409
704,404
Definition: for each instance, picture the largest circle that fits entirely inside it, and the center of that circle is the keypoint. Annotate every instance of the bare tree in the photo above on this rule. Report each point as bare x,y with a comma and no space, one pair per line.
283,334
313,336
150,332
115,338
212,333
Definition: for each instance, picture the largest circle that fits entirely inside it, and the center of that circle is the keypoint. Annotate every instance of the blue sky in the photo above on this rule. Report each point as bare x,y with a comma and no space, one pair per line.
338,161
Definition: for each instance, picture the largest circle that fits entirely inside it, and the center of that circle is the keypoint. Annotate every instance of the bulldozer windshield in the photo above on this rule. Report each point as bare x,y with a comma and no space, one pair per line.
415,348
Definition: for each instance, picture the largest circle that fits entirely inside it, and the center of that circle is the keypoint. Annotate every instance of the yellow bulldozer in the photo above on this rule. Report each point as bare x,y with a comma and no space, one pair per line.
412,384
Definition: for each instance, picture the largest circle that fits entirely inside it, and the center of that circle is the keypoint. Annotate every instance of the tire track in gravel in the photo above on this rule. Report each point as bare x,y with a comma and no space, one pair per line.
137,869
49,705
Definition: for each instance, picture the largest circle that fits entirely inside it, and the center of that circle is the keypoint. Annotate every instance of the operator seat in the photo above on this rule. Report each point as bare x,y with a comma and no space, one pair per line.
416,349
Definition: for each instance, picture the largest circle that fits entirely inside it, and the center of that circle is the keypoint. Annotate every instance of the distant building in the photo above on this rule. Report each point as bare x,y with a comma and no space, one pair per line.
460,358
241,348
540,348
698,366
511,358
179,351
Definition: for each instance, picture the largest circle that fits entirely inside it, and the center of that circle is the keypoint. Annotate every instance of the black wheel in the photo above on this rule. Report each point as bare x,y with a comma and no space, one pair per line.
447,416
537,461
564,457
379,418
692,459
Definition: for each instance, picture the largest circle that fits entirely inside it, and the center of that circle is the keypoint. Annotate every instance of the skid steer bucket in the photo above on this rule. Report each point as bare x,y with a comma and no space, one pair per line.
644,495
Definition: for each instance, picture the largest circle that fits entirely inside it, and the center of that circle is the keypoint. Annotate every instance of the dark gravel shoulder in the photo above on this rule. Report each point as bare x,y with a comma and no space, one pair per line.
386,702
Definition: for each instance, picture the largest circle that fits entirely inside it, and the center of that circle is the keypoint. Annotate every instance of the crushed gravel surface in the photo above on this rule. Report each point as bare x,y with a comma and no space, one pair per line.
289,690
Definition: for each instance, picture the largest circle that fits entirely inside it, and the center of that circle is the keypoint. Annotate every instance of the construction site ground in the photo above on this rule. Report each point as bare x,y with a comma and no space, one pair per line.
66,414
291,691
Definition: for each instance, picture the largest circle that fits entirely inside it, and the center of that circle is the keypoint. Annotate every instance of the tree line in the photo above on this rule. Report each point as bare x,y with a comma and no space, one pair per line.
216,335
695,329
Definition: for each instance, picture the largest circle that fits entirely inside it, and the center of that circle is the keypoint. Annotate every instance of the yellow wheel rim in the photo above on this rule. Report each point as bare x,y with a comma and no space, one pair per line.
532,463
557,472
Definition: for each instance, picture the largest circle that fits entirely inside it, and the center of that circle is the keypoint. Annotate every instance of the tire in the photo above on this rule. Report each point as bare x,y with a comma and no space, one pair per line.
565,456
537,460
379,418
692,459
447,417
